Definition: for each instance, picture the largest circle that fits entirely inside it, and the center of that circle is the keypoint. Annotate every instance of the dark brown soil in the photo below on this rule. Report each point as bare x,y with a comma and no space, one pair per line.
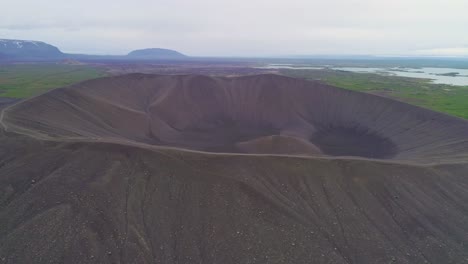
331,176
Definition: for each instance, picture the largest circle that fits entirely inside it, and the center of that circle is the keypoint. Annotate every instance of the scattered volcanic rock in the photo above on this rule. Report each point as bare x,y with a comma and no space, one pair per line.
71,62
256,169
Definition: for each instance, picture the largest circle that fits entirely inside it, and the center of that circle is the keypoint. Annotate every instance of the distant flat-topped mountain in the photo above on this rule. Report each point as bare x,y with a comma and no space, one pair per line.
156,53
28,49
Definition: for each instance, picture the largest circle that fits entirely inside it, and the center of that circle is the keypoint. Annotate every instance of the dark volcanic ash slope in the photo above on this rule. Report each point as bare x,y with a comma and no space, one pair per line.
83,178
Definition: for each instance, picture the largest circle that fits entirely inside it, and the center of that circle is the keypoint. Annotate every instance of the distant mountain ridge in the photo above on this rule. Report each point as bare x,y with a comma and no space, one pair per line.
17,49
30,50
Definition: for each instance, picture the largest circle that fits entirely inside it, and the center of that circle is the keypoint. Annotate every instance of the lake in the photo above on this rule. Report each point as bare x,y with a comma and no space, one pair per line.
437,75
427,73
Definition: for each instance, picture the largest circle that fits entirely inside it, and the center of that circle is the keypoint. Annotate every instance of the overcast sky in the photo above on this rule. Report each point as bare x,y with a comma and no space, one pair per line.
243,27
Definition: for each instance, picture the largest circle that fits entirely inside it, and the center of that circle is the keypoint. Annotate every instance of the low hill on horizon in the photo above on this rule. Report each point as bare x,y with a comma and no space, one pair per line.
157,53
30,50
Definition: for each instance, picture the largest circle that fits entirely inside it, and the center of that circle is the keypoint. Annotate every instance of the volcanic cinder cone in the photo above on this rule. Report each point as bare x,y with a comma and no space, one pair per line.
256,169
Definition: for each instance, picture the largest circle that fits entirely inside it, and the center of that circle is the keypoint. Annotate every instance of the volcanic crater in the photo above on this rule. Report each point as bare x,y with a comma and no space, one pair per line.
255,169
262,114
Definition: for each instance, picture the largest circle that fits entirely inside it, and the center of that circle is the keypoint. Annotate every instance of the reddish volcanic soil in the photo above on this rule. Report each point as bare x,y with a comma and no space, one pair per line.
256,169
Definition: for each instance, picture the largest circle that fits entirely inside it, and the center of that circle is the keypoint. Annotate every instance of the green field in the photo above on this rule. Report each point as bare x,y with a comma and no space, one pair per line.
26,80
449,99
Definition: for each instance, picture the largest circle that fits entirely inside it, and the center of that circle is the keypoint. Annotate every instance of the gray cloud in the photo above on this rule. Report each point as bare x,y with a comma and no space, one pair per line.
242,27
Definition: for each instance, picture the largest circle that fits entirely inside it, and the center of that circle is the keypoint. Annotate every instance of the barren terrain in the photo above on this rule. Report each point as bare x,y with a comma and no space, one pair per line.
258,169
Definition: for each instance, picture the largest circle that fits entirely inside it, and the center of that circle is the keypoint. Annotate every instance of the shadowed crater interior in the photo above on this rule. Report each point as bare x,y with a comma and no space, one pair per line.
341,141
262,114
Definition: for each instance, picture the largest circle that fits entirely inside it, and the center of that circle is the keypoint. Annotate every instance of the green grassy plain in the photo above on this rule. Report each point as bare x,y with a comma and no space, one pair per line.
448,99
26,80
